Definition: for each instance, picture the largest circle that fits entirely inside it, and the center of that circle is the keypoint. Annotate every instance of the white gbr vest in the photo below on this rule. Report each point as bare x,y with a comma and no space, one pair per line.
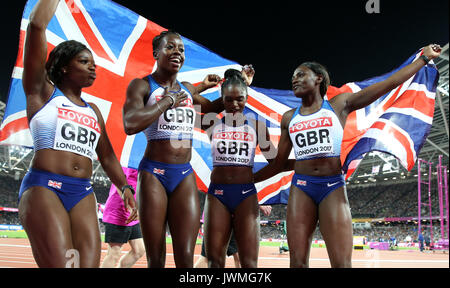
62,125
318,135
233,146
176,123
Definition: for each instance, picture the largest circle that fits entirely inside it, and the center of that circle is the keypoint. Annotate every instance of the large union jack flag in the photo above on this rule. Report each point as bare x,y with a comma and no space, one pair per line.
398,123
121,44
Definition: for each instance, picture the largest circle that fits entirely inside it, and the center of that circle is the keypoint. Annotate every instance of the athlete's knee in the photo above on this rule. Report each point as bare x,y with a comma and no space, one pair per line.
341,256
53,258
216,262
138,251
249,263
114,252
156,261
341,263
53,253
298,260
184,259
298,264
215,259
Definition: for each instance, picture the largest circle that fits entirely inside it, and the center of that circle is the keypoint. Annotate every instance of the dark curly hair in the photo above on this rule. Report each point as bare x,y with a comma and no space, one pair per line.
157,40
60,56
319,69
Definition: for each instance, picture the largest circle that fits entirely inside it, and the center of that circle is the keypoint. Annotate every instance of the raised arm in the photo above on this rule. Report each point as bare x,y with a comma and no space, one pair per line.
34,79
210,81
248,72
206,105
363,98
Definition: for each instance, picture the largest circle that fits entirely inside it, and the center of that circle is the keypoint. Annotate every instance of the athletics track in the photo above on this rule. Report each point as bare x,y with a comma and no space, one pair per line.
16,253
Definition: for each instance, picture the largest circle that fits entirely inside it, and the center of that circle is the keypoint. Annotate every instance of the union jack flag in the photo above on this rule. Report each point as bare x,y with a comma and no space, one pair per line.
398,123
159,171
54,184
301,182
124,52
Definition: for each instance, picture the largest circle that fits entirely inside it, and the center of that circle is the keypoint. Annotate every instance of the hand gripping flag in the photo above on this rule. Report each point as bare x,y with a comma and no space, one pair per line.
124,52
398,123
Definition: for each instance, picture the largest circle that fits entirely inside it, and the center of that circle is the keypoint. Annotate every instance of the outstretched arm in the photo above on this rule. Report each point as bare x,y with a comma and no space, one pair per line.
280,163
361,99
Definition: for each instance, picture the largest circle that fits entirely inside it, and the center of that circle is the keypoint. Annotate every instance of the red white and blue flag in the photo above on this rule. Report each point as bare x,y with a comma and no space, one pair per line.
398,123
54,184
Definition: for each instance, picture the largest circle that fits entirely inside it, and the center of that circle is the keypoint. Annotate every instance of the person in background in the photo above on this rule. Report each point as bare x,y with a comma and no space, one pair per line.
421,241
119,230
427,240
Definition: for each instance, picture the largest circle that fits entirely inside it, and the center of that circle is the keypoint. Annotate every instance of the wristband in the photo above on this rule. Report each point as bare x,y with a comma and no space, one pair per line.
128,186
172,98
425,58
159,107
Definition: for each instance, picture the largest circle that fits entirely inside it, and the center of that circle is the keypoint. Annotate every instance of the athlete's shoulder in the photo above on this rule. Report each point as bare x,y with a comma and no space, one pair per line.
287,116
189,87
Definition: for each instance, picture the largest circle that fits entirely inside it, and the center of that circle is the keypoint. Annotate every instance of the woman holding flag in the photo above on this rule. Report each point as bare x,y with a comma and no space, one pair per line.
57,205
315,130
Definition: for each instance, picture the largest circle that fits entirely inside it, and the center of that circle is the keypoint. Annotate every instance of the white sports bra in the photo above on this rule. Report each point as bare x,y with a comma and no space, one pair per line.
175,123
318,135
233,146
63,125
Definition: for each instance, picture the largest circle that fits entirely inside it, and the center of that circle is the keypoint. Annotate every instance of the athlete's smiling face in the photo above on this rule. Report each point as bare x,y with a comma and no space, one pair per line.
170,55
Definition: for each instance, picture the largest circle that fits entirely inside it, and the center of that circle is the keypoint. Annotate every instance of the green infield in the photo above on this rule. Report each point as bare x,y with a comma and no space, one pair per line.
22,234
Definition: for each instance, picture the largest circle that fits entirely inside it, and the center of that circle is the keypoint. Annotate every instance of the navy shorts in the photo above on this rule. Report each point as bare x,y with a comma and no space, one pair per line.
121,234
170,175
318,187
231,195
70,190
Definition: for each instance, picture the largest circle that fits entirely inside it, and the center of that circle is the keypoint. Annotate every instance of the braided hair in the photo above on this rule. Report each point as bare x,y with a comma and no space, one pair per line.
233,77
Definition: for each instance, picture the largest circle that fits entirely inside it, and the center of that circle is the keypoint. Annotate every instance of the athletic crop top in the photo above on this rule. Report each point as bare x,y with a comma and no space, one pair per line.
233,146
63,125
318,135
176,123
